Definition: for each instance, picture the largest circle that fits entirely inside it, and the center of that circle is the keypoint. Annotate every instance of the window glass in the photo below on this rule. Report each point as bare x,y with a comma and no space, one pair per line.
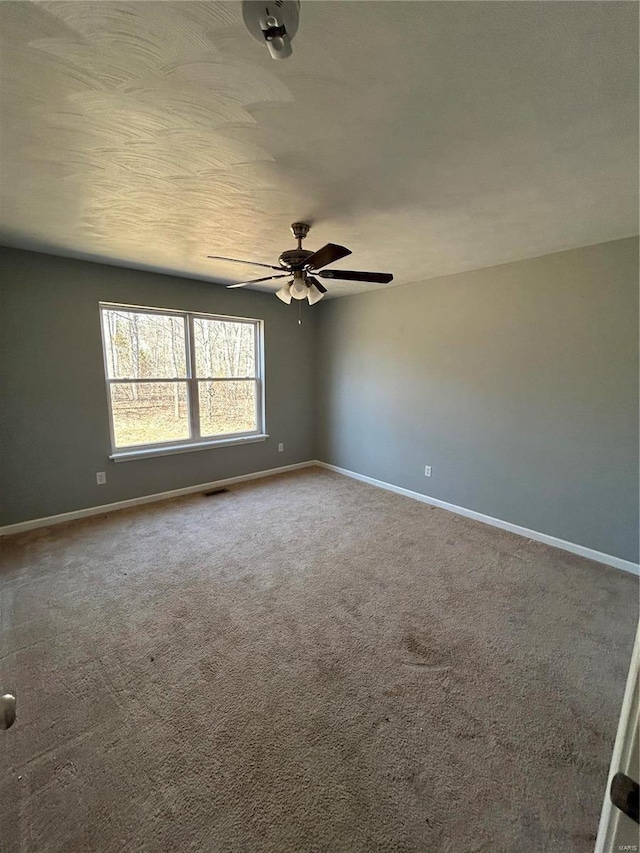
224,349
144,346
227,407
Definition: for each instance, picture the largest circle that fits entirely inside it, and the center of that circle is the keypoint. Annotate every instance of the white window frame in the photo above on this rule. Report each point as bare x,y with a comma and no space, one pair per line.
195,441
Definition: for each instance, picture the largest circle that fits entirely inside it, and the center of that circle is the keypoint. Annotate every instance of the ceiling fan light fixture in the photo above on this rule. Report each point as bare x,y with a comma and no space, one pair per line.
284,294
298,286
314,295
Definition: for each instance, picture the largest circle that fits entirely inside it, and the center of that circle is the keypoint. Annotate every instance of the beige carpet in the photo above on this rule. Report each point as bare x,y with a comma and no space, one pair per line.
306,663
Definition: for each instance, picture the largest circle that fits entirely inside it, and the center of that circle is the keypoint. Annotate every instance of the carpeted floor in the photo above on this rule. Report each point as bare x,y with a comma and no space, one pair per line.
306,663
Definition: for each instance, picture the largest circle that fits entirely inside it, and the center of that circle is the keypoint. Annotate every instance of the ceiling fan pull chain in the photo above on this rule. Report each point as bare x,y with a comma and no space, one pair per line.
299,313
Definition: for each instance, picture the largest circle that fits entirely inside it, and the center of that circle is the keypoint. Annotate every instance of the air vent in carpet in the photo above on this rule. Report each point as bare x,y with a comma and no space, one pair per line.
215,492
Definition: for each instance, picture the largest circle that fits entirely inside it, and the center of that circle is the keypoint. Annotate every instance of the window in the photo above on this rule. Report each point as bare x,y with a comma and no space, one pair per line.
179,381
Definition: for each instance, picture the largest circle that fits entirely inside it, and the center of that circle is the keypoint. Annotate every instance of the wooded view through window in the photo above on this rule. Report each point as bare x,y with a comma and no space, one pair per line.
179,377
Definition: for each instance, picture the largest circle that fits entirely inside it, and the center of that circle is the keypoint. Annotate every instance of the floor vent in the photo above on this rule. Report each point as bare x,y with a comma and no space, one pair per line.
215,492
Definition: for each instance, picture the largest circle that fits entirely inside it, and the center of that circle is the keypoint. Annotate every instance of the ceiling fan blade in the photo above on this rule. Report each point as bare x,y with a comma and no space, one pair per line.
236,261
256,280
353,275
326,255
316,283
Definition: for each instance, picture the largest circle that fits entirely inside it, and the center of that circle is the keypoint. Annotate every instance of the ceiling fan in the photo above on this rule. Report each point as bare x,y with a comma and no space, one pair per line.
302,266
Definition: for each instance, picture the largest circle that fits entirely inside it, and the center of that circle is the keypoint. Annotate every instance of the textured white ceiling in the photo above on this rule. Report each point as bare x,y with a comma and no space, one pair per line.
429,137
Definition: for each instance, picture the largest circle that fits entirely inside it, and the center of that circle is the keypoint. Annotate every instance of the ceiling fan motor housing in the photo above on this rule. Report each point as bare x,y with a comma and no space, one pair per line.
294,258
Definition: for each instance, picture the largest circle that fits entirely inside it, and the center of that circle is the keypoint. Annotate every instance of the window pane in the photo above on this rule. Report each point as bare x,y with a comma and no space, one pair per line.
148,412
224,349
143,346
227,407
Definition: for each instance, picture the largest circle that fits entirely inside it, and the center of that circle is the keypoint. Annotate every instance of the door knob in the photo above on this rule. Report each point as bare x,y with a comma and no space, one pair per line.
624,794
7,710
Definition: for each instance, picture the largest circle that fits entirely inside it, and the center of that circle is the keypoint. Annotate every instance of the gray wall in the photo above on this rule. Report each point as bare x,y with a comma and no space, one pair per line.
518,384
54,430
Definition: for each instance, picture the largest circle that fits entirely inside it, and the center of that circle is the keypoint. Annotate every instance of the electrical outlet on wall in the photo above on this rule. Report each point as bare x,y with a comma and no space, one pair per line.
101,478
280,448
427,470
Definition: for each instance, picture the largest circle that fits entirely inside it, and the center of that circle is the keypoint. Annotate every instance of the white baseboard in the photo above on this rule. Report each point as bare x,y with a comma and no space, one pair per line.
589,553
22,526
580,550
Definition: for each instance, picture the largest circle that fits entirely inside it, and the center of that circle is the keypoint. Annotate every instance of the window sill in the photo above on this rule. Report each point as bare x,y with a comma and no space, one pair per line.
170,449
